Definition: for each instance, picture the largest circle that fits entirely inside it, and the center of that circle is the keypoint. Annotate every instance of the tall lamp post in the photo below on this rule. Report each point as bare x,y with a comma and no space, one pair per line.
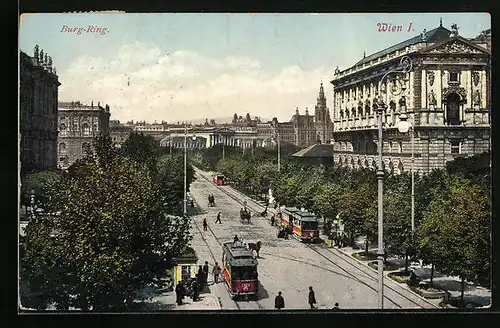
404,67
185,168
404,126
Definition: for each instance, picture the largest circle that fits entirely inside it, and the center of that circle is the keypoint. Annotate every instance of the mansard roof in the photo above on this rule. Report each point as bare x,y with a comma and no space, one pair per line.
436,35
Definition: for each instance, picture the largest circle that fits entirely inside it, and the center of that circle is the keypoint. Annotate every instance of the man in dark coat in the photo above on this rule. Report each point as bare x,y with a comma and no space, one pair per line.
235,238
205,225
312,298
195,295
272,220
205,272
336,307
279,302
218,219
199,278
179,293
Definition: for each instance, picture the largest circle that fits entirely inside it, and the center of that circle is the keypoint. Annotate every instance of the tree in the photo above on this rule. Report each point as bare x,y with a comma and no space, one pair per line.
40,183
456,231
170,176
142,148
112,236
360,211
398,238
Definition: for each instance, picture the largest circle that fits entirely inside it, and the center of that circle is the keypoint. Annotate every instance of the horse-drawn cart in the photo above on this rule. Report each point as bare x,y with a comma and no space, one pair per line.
245,215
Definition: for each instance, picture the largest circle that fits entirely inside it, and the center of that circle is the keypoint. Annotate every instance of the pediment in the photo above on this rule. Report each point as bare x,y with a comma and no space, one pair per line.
455,46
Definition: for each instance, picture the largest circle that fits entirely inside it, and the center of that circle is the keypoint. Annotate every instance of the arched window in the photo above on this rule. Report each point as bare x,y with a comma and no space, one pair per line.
392,106
62,147
401,168
452,109
391,167
86,129
85,147
62,129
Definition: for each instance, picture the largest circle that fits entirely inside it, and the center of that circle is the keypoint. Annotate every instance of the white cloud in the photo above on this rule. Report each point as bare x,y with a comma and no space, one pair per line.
147,84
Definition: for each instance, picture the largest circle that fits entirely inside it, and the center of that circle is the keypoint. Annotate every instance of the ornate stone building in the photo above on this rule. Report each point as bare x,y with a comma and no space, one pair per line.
38,112
322,121
448,99
118,132
78,126
304,128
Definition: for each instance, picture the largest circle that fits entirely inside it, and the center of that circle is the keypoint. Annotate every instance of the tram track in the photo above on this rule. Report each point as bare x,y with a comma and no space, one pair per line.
239,306
256,207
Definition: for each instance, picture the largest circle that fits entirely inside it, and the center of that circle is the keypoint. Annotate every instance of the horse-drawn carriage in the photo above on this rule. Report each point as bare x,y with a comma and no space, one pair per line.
245,215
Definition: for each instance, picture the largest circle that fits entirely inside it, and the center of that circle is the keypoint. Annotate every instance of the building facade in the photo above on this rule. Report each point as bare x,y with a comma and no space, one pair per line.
38,112
448,100
119,133
322,121
79,125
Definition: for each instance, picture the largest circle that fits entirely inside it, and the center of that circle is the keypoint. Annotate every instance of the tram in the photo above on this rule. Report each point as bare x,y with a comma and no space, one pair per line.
303,225
239,268
218,179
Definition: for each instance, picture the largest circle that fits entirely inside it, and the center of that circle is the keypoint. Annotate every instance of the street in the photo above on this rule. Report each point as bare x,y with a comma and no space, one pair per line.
288,266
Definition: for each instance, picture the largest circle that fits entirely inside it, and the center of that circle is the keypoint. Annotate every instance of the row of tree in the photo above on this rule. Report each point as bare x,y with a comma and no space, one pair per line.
109,225
452,206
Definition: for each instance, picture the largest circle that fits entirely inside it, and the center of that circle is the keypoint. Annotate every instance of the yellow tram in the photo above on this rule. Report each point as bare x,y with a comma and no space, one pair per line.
303,225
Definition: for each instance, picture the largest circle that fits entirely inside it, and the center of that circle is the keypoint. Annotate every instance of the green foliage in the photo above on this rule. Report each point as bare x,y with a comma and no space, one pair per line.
455,232
170,176
112,236
352,194
142,148
40,183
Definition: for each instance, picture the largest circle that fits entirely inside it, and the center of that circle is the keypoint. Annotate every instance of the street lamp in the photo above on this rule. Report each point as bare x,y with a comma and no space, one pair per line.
185,168
404,67
404,126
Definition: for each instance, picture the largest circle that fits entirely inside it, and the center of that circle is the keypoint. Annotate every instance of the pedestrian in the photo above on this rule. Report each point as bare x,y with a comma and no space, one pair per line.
195,290
312,298
216,271
236,238
192,203
205,225
279,302
199,278
336,307
218,219
179,293
330,240
205,272
272,220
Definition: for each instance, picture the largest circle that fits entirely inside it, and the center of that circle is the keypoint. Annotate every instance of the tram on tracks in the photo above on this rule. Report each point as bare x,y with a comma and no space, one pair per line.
239,270
302,224
218,179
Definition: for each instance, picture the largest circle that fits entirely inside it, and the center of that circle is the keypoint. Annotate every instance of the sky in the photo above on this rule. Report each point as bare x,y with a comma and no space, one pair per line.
180,67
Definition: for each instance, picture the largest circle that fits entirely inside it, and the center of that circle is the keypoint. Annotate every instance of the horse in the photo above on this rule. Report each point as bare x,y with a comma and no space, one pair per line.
255,247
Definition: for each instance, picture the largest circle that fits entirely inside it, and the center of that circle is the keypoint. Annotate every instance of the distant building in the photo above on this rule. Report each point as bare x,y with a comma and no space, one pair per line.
38,112
304,128
119,133
322,121
78,126
448,99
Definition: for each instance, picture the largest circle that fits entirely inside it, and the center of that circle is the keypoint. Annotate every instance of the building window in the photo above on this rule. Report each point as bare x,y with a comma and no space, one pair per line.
62,129
455,147
62,147
453,76
85,129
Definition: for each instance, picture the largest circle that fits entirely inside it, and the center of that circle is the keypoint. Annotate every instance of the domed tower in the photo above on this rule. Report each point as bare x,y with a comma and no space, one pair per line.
323,123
